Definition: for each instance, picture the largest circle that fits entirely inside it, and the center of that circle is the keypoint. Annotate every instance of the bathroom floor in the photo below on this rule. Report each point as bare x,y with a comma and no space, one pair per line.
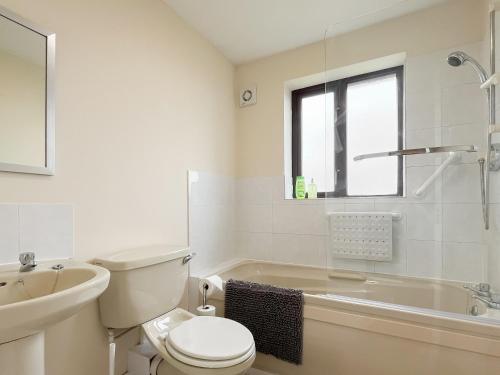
254,371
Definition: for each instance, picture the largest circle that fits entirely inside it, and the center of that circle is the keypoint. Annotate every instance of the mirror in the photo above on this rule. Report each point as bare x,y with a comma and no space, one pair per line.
26,96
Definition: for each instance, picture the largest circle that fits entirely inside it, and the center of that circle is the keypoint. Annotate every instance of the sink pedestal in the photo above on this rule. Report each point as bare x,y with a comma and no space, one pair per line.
23,356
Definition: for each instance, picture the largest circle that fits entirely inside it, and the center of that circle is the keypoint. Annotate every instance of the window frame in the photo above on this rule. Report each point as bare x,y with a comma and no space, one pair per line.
339,88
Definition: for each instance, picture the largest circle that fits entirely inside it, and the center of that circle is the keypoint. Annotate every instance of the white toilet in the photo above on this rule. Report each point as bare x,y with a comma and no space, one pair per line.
146,286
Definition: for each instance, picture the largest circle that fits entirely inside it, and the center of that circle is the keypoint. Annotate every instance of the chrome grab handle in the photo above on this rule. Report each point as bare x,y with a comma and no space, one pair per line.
187,258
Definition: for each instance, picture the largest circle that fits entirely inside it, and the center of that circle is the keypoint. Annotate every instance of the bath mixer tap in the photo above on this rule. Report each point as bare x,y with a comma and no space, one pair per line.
482,292
481,289
493,301
27,262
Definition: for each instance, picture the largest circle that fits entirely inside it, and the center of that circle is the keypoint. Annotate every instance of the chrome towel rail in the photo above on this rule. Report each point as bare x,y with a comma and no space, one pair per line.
418,151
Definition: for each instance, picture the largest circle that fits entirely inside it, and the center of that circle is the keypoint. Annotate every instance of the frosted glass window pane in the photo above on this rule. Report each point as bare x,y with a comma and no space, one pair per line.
372,126
317,140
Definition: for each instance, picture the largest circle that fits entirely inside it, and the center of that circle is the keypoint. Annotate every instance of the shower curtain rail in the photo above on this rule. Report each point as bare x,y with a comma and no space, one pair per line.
418,151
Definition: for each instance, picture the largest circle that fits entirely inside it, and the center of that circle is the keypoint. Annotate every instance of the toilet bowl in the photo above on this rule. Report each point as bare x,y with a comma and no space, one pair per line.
195,345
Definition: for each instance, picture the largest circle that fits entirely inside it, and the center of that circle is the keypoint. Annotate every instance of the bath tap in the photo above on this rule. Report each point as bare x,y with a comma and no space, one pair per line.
27,262
482,292
493,301
481,289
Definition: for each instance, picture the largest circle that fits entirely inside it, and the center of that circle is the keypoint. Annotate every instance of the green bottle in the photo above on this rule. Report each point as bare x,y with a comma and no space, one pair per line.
300,187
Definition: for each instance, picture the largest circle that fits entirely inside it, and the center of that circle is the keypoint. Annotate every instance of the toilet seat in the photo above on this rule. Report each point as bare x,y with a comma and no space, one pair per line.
203,363
224,359
210,342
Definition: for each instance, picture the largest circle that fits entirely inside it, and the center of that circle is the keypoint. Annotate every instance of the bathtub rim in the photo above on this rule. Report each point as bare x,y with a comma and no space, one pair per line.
483,326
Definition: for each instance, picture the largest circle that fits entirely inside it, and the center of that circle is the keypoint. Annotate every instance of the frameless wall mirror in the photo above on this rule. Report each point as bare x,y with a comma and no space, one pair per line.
26,96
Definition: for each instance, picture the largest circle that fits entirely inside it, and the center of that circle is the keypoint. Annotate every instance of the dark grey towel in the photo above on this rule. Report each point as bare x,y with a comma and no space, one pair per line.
273,315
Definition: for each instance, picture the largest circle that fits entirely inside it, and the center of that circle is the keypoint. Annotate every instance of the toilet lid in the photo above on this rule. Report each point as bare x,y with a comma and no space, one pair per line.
211,338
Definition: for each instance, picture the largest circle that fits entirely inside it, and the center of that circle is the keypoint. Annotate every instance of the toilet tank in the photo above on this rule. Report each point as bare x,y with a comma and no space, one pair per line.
145,282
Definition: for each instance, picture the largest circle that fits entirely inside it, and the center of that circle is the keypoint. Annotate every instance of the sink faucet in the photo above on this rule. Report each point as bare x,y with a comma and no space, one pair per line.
27,262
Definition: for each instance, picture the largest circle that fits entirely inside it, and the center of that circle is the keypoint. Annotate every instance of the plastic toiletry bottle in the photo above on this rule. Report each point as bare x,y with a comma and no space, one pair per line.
312,190
300,187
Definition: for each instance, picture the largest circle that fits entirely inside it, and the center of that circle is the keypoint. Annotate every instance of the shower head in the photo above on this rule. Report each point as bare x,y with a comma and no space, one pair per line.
455,59
459,58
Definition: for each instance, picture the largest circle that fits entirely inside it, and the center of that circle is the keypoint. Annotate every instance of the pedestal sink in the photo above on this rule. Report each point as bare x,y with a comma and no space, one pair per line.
32,301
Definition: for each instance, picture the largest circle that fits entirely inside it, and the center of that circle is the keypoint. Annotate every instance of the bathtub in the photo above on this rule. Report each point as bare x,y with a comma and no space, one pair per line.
364,323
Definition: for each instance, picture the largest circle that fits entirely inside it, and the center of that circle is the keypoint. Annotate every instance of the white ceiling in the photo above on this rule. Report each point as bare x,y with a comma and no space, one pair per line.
245,30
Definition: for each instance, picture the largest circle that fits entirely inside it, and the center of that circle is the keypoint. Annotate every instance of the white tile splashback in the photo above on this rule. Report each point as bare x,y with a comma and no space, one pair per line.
212,218
45,229
9,233
431,239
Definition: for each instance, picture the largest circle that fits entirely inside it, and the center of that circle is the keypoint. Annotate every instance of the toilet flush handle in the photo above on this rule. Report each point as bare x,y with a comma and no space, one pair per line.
187,258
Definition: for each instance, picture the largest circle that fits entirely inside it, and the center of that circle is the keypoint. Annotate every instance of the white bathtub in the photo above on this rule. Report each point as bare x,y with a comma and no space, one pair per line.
362,323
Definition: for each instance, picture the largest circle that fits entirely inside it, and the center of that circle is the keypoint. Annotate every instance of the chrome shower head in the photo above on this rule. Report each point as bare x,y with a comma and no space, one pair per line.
455,59
459,58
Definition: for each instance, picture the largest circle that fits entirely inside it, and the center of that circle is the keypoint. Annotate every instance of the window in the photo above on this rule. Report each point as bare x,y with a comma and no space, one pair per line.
333,123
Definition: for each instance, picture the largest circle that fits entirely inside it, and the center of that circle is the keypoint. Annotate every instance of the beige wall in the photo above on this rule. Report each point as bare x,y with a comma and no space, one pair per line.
141,98
22,111
260,127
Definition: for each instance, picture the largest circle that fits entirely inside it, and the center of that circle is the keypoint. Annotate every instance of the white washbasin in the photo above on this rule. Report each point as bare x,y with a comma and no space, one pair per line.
32,301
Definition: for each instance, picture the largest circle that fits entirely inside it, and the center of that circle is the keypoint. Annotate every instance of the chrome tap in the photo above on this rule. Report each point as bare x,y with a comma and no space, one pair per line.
493,301
27,262
481,289
482,292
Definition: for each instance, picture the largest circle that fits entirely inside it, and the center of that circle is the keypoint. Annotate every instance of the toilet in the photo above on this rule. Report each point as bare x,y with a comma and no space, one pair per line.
147,284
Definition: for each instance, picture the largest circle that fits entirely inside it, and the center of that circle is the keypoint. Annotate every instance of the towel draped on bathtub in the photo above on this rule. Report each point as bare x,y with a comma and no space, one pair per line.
274,315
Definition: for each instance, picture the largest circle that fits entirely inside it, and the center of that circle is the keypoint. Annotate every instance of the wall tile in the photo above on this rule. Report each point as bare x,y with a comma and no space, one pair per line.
351,264
424,259
461,184
420,72
299,219
424,221
422,109
366,206
47,230
331,206
211,220
254,190
254,245
462,223
495,187
254,218
299,249
464,261
464,104
9,233
278,187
